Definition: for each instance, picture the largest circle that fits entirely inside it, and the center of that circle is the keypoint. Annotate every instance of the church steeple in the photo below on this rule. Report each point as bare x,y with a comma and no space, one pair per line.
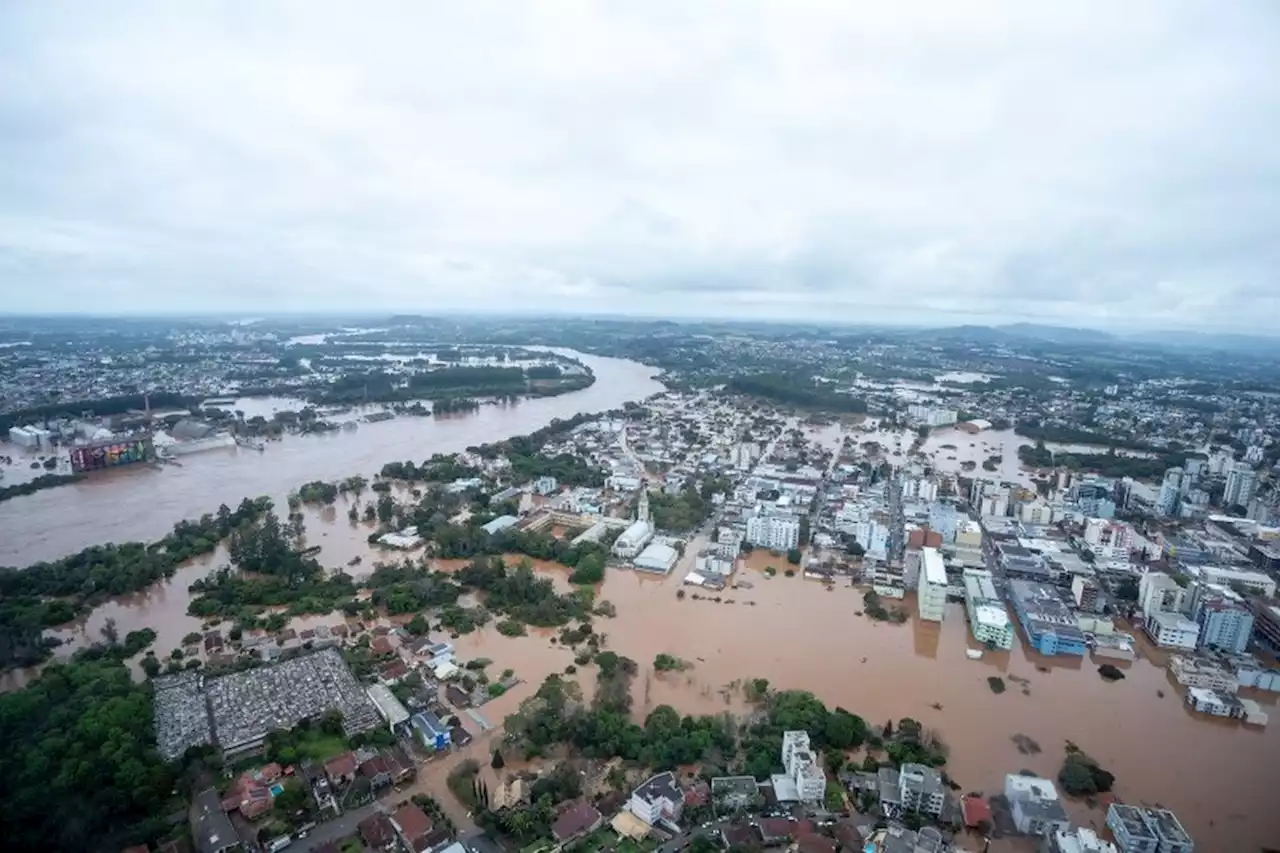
642,511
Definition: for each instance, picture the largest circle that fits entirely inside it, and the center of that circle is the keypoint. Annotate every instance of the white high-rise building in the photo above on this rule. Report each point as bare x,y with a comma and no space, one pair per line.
931,416
931,594
801,764
1241,484
1107,538
774,532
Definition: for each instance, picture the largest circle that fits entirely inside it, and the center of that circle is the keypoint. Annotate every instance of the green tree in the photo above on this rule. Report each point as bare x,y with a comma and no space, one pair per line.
497,762
793,556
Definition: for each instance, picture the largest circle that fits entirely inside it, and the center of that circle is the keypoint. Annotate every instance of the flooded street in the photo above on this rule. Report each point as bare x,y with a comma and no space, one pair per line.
142,503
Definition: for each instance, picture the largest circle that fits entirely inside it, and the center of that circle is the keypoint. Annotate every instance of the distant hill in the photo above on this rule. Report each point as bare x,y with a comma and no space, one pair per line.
1014,332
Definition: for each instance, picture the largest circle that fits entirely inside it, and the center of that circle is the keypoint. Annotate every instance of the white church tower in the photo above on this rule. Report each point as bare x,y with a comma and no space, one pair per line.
642,511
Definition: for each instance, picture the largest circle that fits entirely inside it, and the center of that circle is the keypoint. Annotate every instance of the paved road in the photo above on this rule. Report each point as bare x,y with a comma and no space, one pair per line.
333,830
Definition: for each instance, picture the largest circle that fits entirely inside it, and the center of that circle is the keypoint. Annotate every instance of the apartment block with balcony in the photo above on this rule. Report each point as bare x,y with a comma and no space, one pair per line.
1142,830
932,592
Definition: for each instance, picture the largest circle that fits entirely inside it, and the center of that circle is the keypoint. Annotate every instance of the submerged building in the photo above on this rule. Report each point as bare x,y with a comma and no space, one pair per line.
932,592
988,620
1048,623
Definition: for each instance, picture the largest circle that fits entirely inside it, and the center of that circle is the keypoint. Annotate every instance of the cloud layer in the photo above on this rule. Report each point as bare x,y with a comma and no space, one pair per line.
1098,163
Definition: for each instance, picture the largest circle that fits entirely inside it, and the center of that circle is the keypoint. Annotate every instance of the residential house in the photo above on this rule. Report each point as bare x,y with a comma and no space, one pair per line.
459,736
658,799
211,829
457,697
341,769
1037,809
432,732
413,828
775,831
577,820
377,833
377,770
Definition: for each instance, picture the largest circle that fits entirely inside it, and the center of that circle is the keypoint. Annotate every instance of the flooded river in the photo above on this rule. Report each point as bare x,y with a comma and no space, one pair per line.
1220,777
144,502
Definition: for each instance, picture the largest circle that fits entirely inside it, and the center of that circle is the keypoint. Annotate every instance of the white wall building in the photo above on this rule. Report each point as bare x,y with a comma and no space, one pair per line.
988,619
1159,593
932,594
801,764
1241,484
1107,538
658,799
778,533
1037,809
1172,631
931,416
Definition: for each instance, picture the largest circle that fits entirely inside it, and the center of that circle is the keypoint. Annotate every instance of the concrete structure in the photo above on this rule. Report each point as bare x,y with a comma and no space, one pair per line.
633,540
388,705
1215,703
1034,802
914,788
1170,492
1048,623
658,799
544,485
432,731
778,533
1141,830
1254,582
800,762
1108,538
1242,482
1266,623
211,829
988,619
1084,591
931,416
657,558
1160,593
1202,672
932,594
1172,631
1076,839
1225,620
499,524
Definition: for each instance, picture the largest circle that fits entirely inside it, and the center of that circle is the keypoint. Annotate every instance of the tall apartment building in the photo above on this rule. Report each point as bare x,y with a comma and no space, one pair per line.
778,533
1085,592
988,619
1242,482
1170,492
1159,593
931,596
801,764
1225,621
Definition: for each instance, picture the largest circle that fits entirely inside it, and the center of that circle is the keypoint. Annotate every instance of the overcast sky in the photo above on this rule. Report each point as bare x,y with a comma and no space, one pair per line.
1106,163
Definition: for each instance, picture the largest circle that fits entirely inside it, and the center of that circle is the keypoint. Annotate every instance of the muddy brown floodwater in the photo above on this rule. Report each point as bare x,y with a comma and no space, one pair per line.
1220,777
144,502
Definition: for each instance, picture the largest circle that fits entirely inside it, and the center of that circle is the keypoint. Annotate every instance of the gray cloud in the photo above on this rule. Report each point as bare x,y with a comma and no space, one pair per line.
1095,163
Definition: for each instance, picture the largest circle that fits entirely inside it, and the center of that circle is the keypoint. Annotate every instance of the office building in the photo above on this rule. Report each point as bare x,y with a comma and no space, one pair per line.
1256,583
1084,591
931,597
1048,623
930,416
988,619
1107,538
1141,830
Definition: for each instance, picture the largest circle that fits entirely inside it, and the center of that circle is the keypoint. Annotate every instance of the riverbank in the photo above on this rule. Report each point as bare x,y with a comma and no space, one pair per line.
143,503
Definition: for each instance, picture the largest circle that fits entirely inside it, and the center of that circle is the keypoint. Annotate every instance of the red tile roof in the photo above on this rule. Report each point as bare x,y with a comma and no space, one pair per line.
377,831
578,818
975,810
414,825
341,765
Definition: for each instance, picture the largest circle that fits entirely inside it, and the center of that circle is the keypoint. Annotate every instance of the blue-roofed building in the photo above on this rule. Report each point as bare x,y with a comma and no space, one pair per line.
431,731
1047,621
